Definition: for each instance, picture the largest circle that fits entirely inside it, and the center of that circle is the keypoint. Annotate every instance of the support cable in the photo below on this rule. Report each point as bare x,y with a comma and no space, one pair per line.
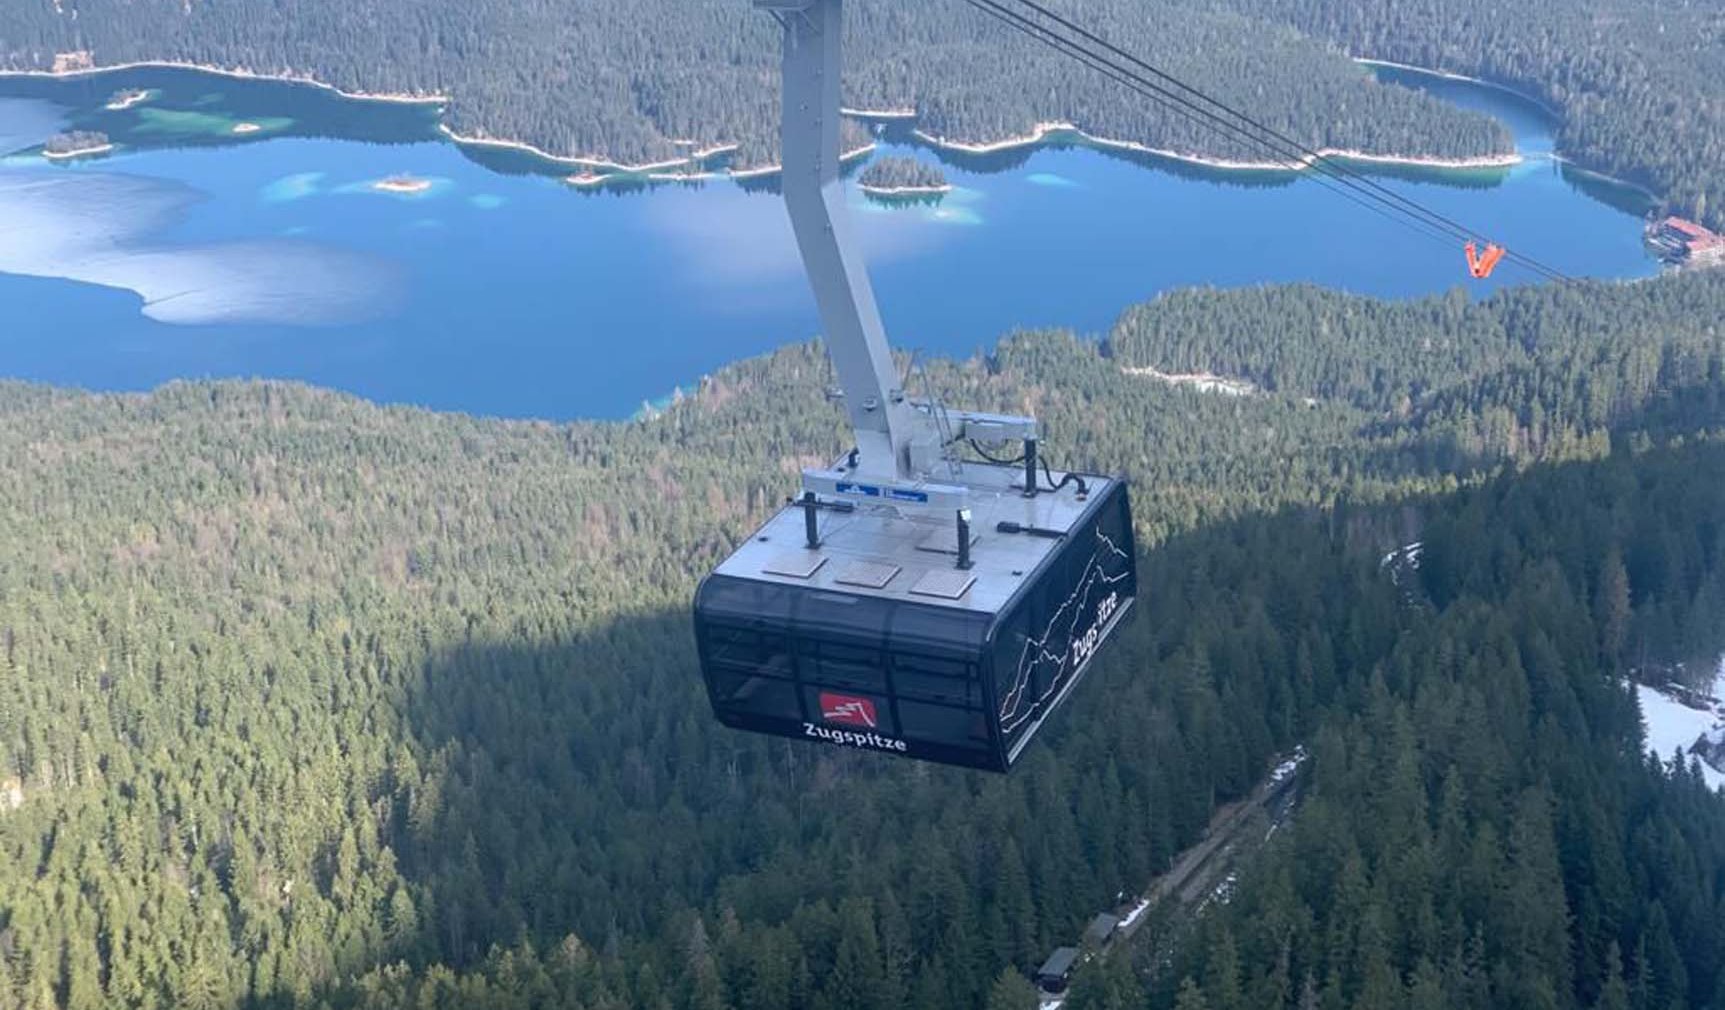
1328,171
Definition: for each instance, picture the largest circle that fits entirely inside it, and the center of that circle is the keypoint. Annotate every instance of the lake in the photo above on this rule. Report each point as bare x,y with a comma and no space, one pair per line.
193,250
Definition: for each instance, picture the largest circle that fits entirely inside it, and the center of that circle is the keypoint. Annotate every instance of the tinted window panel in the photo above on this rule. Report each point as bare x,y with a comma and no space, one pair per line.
939,723
823,615
749,651
930,631
932,679
723,596
837,664
764,696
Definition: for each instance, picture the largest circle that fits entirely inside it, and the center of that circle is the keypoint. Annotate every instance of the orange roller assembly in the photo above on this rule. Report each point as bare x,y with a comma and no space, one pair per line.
1481,265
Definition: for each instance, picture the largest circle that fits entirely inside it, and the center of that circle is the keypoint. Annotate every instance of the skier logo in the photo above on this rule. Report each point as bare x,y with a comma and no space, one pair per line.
847,710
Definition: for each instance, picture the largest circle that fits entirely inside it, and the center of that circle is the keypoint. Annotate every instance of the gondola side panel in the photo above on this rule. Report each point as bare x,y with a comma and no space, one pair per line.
1043,647
811,665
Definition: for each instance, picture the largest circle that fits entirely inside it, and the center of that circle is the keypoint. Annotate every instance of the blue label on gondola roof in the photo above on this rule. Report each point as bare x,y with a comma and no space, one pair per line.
871,491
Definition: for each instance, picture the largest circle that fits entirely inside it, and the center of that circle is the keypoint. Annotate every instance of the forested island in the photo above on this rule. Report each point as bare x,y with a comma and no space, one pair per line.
404,185
897,176
76,144
310,702
122,100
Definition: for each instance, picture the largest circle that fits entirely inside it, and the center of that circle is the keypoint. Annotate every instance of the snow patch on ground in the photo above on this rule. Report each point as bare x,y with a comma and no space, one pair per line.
1222,893
1409,554
1672,725
1281,772
1203,382
1137,912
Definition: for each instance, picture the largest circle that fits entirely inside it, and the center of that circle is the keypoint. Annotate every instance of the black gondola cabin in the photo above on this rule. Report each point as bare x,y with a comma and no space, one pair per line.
878,639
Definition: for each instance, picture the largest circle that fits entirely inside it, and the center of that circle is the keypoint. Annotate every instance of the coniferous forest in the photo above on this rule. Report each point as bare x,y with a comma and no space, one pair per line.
891,173
628,80
309,702
1633,82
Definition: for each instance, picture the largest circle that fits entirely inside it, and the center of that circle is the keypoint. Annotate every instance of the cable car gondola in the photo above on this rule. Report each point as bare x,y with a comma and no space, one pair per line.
911,601
890,631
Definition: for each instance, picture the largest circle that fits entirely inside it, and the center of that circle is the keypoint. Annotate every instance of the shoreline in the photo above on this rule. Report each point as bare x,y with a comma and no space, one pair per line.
845,110
579,161
717,149
1451,75
1037,136
1576,166
1041,132
1555,114
940,190
82,152
757,171
241,73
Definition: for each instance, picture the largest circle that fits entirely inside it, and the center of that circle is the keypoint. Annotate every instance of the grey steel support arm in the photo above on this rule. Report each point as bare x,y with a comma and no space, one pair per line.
886,425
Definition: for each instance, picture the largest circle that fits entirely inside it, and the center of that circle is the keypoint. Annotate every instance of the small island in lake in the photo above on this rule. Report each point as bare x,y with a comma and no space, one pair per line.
405,184
903,177
77,144
127,98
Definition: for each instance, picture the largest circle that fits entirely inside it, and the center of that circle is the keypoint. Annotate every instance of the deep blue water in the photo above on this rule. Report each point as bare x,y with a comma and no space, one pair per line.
510,293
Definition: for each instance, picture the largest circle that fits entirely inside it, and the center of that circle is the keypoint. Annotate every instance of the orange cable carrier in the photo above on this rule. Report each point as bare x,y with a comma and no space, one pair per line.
1480,265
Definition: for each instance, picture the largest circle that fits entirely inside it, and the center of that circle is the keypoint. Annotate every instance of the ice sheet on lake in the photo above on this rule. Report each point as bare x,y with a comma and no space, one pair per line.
98,228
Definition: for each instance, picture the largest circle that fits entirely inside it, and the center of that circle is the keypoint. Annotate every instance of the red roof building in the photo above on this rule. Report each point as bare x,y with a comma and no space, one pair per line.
1687,228
1682,241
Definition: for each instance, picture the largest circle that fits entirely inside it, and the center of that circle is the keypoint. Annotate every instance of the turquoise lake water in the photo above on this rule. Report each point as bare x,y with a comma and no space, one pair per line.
195,251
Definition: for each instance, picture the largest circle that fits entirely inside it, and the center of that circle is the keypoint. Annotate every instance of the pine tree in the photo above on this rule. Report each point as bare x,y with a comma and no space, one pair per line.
1614,992
1190,996
856,976
1011,991
1611,605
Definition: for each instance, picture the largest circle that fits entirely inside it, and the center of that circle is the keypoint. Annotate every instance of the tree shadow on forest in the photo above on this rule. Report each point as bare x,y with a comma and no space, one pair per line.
575,784
578,784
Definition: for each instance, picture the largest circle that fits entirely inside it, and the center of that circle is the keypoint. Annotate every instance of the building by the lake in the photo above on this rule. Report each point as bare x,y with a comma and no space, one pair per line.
1686,243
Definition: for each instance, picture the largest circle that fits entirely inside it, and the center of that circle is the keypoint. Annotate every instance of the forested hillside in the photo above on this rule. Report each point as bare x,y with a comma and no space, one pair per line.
1639,82
626,79
1477,835
1510,373
306,701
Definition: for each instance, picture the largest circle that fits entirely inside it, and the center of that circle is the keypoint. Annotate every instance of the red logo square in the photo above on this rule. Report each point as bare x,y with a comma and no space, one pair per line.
848,710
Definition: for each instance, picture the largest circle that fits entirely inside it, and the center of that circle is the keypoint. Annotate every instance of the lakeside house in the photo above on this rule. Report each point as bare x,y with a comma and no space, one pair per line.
1686,243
